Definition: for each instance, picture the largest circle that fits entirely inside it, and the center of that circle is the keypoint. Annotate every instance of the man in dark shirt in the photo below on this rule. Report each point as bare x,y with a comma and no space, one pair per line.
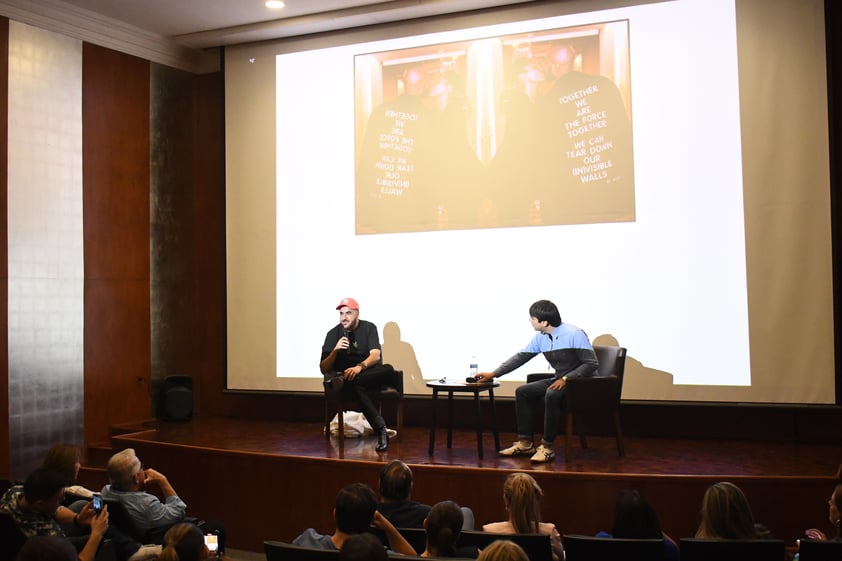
355,512
395,503
351,364
395,490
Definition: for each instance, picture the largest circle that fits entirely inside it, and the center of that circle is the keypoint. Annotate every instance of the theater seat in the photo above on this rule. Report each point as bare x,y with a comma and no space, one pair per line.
698,549
586,548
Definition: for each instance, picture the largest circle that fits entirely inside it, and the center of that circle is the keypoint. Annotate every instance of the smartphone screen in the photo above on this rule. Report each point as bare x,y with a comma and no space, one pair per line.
97,502
212,542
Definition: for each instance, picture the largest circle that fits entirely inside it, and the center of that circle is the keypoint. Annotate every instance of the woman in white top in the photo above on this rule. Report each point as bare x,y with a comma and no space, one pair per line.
522,497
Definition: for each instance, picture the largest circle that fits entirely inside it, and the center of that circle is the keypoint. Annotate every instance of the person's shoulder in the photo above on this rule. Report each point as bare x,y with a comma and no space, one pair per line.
311,538
497,528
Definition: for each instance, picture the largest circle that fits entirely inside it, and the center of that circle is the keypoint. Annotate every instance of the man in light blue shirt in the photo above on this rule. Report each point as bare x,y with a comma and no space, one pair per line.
127,478
570,354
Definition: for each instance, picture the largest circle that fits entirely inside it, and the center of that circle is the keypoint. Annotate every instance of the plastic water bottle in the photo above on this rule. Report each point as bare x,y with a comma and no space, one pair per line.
474,367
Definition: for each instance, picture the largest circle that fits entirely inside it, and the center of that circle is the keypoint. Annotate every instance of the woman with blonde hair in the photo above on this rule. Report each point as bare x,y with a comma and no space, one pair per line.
726,514
503,550
522,497
184,542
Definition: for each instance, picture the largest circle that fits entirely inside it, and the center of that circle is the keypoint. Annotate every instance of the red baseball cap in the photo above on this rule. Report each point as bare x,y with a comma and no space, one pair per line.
350,302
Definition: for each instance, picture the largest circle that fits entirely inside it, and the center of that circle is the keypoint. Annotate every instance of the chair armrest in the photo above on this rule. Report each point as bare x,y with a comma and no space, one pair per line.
599,392
538,376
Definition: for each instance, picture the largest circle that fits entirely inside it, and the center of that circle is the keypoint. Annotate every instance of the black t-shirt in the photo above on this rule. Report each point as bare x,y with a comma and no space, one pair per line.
363,340
405,514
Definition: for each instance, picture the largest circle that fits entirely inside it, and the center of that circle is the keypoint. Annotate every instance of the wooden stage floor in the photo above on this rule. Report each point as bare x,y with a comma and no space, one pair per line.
272,479
644,456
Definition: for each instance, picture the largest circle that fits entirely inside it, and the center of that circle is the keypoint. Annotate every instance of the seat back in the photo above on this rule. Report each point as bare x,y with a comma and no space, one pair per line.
536,546
417,538
699,549
282,551
825,550
11,537
586,548
603,391
612,360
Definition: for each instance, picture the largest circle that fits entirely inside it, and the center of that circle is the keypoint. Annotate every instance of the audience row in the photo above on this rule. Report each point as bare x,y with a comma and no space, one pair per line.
51,505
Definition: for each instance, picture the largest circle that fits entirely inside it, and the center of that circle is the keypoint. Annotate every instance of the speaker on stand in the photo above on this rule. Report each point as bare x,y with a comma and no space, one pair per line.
176,398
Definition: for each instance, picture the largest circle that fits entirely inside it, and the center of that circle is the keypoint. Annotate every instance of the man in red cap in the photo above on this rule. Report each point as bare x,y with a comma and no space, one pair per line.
351,363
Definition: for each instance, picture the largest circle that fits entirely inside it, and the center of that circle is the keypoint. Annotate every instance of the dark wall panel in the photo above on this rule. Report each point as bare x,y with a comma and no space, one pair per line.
208,234
115,117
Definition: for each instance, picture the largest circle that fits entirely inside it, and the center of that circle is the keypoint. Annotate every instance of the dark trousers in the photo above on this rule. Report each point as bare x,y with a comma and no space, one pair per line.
527,398
372,378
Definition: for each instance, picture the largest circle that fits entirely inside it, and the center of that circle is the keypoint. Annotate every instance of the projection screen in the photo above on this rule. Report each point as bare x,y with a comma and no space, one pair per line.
658,170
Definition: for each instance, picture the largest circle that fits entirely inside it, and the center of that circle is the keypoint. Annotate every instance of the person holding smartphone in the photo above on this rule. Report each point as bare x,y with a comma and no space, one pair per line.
35,507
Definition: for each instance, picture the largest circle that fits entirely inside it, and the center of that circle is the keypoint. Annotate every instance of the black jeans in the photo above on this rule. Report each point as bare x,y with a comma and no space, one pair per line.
372,378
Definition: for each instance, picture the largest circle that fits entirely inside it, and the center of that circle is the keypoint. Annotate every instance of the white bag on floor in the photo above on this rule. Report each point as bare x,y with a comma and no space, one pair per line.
354,422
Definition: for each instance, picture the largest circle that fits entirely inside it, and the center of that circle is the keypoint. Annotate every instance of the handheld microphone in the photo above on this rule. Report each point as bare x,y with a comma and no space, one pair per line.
348,334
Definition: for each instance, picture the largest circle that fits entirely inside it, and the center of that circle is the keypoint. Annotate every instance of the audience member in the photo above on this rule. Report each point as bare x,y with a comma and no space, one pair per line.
184,542
503,550
362,547
726,514
150,516
36,509
66,459
47,548
634,518
522,497
128,477
442,527
396,483
355,511
834,506
395,491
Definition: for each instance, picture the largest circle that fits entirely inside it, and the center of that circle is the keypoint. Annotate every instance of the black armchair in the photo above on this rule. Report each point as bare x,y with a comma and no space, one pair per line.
599,393
337,403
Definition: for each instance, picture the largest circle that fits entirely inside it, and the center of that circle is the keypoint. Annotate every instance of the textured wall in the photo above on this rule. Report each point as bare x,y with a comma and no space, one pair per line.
173,297
45,257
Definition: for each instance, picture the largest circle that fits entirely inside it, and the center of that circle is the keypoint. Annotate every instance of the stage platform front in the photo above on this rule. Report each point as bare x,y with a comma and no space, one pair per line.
273,479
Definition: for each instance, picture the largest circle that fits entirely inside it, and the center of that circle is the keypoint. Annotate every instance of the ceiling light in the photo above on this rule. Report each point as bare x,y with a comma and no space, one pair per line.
274,4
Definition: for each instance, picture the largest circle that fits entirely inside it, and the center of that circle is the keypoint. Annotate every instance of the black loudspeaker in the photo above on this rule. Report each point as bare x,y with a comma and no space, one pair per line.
177,398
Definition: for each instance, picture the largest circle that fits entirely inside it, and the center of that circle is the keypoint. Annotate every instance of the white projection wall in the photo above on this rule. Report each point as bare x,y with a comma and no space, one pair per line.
673,284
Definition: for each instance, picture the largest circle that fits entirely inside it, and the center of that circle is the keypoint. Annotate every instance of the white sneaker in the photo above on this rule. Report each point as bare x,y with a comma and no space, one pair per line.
543,454
518,449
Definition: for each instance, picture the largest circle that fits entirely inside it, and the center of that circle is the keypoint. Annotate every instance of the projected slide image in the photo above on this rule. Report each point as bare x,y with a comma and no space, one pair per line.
531,129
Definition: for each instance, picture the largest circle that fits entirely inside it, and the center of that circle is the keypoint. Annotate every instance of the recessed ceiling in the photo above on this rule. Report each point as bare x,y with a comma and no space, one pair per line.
213,23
